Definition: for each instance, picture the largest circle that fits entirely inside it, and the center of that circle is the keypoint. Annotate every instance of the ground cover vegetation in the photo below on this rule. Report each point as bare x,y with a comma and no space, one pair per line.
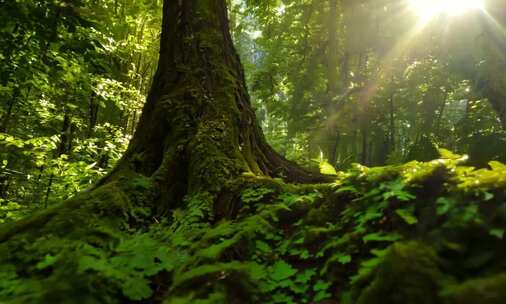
137,167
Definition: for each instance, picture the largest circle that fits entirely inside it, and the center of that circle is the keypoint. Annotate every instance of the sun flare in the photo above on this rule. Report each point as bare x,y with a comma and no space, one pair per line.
428,9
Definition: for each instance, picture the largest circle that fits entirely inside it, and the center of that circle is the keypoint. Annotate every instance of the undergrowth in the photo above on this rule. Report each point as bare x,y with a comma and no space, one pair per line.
422,232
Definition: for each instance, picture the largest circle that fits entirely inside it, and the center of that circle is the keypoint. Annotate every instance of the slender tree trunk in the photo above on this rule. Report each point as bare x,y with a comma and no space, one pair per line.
64,147
7,117
4,184
392,123
365,145
332,134
92,115
440,115
497,98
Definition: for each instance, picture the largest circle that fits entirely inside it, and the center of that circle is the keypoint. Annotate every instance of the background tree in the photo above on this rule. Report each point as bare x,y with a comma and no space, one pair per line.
71,93
401,80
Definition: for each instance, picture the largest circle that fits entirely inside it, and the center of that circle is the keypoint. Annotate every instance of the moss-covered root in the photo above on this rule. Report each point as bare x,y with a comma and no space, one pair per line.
50,256
409,274
488,290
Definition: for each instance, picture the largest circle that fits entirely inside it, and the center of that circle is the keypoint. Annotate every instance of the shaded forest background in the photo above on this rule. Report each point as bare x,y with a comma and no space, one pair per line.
332,81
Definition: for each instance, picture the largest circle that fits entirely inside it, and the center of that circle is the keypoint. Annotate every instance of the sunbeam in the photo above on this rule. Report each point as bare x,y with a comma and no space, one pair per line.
428,9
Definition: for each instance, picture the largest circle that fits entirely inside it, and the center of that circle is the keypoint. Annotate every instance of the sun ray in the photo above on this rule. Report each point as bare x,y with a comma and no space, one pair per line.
429,9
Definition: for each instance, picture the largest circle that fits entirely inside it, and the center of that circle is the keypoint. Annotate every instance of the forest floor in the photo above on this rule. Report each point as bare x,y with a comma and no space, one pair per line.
421,232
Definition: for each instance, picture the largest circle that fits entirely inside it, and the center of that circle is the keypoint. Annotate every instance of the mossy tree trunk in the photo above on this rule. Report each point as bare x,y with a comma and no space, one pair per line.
198,128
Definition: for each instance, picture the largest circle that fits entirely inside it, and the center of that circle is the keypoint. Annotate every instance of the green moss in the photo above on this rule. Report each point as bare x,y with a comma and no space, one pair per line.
409,273
487,290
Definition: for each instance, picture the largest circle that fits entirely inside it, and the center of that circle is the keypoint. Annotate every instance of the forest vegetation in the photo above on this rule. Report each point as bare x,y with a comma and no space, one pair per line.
253,151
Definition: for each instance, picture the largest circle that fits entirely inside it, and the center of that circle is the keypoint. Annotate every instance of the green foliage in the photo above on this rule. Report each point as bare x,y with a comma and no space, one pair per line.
254,195
71,91
327,169
132,262
281,271
351,240
316,75
407,215
12,211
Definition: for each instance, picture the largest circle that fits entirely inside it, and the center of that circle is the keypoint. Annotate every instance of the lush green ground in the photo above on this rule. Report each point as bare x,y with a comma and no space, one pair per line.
422,232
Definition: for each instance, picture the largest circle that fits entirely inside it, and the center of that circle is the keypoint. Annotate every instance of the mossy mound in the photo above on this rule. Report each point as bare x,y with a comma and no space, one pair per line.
489,290
409,273
422,232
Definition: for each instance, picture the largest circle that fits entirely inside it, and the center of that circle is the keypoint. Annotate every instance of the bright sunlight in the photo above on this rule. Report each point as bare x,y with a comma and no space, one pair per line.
428,9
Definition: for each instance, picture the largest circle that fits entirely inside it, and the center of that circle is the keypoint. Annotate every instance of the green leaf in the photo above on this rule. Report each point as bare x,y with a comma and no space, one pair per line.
348,188
497,232
282,270
497,166
395,189
488,196
444,205
321,285
209,270
262,246
48,261
407,215
304,255
321,288
381,237
380,252
306,276
257,272
366,269
136,289
252,195
327,169
283,298
214,251
344,259
447,154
